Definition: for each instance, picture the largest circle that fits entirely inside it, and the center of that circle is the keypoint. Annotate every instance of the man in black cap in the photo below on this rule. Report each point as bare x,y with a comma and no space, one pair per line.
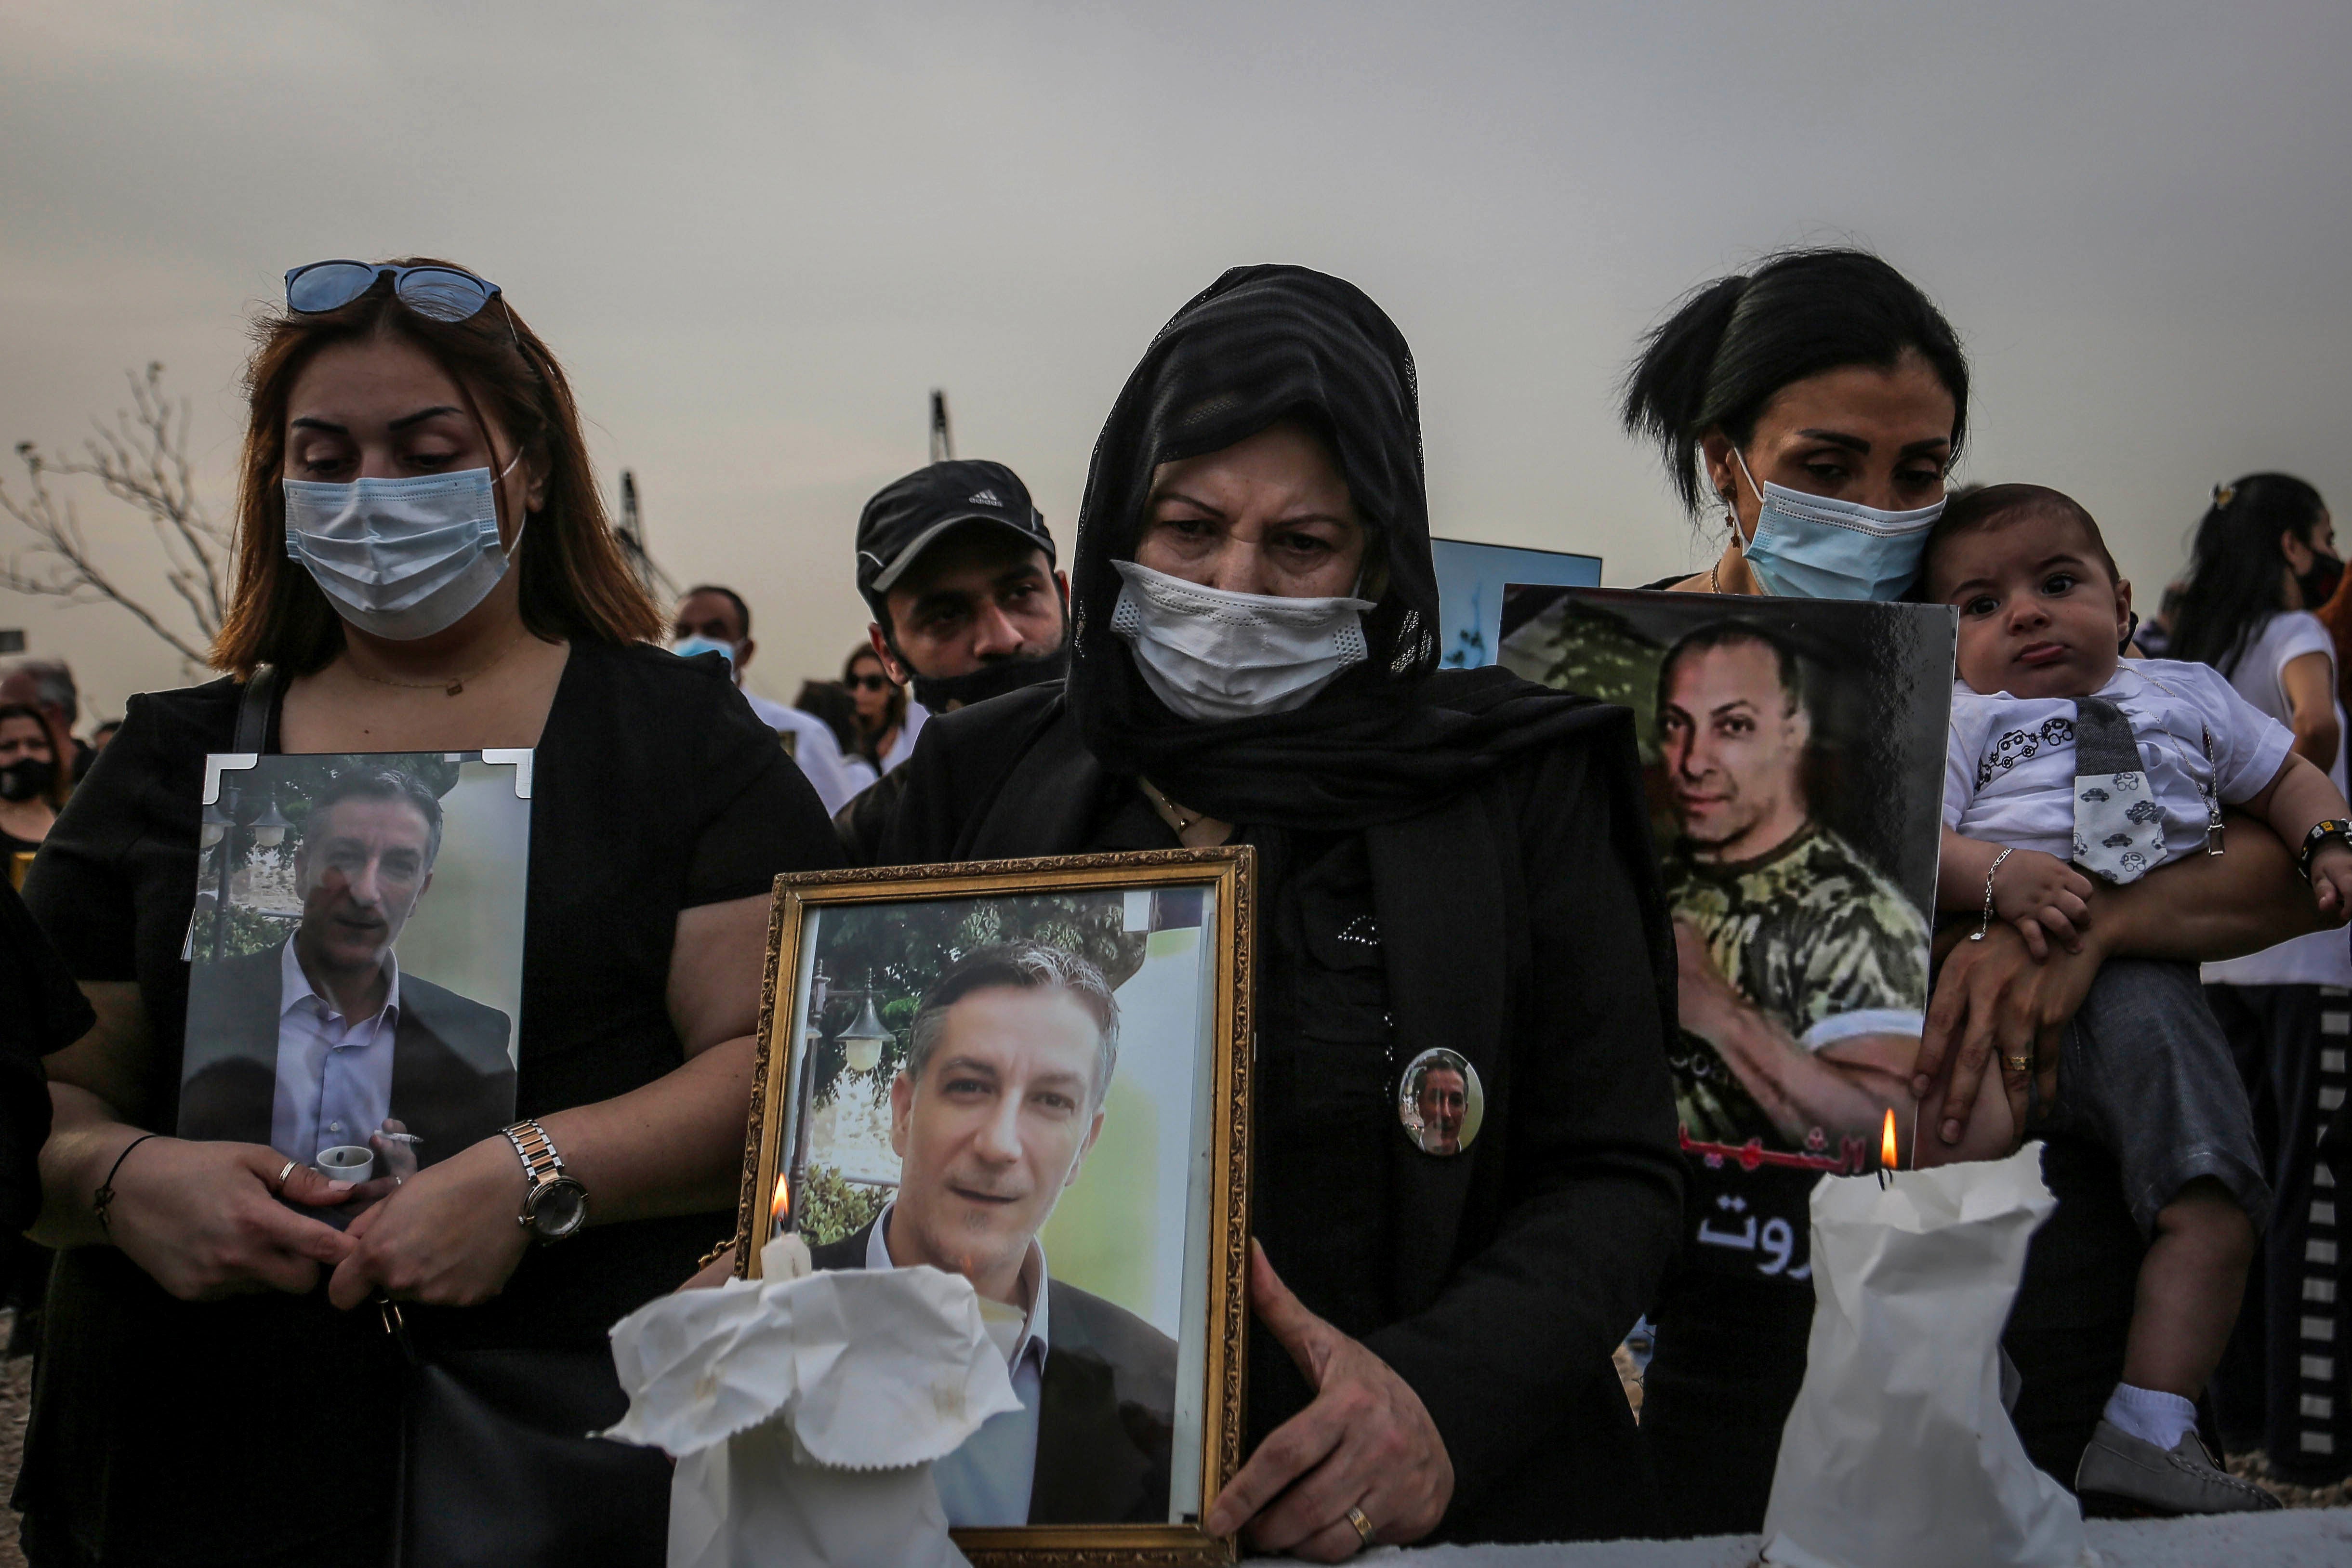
957,566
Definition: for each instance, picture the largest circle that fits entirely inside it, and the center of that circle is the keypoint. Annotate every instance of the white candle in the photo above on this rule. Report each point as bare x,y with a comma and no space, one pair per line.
785,1257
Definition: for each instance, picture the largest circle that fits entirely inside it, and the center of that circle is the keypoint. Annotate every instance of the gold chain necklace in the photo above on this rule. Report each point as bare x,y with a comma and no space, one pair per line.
450,688
1714,583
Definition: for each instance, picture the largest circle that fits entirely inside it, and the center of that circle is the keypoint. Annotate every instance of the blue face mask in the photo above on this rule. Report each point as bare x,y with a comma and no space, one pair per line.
1810,547
399,557
688,647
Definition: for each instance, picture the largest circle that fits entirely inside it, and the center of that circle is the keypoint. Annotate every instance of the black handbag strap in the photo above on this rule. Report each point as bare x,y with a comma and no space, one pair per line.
253,710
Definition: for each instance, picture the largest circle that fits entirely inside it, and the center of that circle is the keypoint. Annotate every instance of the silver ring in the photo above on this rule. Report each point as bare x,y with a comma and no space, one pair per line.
1364,1526
287,1172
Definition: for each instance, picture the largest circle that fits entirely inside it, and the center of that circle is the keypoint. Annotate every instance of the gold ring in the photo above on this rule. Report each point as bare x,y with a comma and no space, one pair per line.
1364,1526
284,1174
2018,1063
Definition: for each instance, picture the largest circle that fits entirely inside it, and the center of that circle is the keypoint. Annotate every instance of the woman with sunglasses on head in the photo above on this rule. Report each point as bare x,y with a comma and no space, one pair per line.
1820,401
1449,861
422,564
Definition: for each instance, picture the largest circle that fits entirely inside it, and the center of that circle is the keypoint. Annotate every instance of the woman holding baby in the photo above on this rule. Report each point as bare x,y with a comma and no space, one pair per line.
1820,400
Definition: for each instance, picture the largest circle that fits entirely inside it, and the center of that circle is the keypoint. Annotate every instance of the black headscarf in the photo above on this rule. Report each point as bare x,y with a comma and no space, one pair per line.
1391,735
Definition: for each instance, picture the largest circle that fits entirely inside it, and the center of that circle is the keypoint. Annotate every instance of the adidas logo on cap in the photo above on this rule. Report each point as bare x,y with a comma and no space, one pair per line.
983,499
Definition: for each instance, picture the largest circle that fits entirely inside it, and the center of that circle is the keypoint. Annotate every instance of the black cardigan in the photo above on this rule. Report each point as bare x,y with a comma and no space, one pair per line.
1522,925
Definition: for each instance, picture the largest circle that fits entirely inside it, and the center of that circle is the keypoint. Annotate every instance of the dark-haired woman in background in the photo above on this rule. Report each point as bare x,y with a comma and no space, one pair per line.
831,700
2265,558
423,565
1820,401
1451,859
32,785
888,719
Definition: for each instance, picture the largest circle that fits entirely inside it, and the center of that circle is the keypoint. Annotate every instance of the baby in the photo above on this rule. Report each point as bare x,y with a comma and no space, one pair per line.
2067,758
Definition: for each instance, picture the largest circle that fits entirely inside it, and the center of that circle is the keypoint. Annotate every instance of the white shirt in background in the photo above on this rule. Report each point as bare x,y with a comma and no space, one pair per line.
2323,958
814,748
909,727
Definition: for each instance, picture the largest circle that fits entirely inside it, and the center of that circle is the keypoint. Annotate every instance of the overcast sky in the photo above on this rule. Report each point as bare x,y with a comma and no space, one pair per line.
759,233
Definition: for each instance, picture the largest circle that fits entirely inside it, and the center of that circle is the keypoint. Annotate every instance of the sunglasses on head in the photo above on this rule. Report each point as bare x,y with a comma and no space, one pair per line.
868,683
442,293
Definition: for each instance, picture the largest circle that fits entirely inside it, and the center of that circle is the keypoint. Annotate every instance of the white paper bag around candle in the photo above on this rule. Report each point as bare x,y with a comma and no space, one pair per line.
804,1414
1898,1450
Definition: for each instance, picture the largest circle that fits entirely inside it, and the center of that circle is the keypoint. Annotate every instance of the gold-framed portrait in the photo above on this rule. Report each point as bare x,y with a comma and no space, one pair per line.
1035,1073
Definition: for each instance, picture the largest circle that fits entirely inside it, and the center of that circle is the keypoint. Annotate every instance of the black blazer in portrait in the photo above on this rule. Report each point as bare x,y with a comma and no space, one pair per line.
453,1082
1106,1415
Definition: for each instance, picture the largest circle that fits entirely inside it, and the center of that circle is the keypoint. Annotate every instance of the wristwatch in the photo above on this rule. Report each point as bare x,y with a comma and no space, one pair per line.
2335,827
555,1205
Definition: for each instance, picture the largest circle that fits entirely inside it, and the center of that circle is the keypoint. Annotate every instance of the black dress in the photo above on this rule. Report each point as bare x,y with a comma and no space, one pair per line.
1517,922
172,1432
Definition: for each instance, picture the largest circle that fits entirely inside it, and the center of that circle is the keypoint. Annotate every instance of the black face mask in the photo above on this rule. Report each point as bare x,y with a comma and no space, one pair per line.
2318,584
945,693
25,777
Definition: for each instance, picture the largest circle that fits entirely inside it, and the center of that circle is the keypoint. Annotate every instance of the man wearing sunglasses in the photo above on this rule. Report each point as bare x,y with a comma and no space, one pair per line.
957,566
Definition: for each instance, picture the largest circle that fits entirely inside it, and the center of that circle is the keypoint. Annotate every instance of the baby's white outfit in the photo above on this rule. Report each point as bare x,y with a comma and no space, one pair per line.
2009,771
2144,1070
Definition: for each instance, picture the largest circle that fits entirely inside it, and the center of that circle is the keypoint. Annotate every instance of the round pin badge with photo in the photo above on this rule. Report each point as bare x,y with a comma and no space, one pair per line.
1441,1102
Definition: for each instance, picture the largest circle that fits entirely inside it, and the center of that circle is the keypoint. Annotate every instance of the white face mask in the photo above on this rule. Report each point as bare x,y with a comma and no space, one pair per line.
401,558
1213,655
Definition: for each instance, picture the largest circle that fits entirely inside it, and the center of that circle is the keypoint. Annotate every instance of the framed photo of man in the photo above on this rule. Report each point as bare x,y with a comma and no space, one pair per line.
1035,1073
1794,755
355,958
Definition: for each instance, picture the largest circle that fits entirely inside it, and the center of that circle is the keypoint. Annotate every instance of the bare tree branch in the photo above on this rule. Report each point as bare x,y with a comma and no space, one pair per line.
143,459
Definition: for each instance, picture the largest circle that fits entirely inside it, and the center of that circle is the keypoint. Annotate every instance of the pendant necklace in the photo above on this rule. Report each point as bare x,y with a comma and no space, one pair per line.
450,688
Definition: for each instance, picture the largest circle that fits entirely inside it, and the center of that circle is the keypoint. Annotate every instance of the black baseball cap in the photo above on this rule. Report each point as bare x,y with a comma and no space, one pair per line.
906,516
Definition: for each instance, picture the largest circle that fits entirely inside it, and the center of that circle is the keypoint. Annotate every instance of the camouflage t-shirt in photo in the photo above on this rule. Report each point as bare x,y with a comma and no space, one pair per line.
1828,948
1823,943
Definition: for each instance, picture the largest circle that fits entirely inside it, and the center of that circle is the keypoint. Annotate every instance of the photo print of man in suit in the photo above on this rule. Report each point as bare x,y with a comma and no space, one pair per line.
1010,1056
321,1041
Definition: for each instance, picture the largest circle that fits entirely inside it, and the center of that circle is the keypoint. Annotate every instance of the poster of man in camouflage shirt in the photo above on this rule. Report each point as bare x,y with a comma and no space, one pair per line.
1793,751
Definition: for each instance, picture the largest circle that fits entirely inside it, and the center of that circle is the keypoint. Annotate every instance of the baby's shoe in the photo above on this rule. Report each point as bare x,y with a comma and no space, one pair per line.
2131,1472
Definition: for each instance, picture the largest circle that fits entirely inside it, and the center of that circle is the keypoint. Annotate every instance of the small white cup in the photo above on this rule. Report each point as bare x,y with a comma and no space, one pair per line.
347,1162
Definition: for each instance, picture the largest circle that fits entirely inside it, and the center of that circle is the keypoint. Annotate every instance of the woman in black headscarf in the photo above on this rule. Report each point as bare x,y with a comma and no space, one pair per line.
1454,861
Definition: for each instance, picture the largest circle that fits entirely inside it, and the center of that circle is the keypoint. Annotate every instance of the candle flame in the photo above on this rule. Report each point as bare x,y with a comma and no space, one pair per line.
783,1200
1887,1155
